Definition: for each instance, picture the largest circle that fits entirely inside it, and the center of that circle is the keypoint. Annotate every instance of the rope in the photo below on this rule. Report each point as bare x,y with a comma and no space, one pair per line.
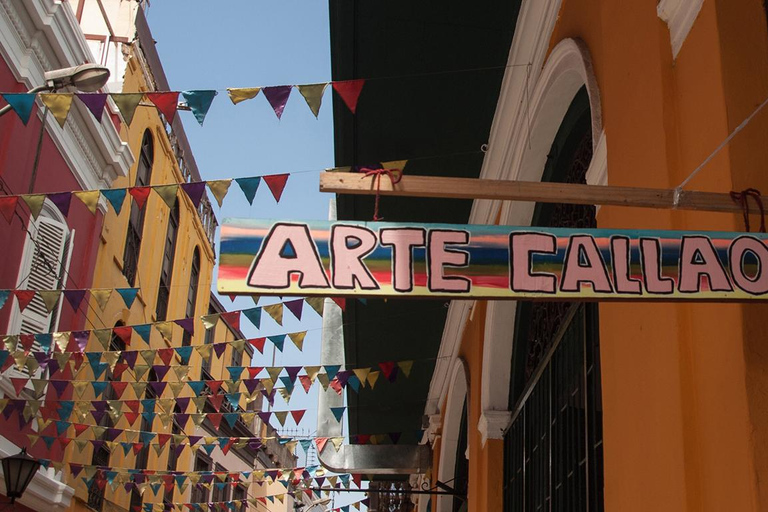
743,199
395,175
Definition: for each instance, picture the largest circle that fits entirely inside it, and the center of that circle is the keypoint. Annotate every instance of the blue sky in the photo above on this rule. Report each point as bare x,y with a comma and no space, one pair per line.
254,44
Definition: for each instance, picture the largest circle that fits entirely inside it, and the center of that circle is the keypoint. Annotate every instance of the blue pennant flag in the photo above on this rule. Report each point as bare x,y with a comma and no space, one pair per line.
128,295
338,412
184,354
3,297
278,340
99,387
144,331
288,383
332,370
22,104
254,315
116,198
199,102
249,186
148,404
231,418
65,409
45,340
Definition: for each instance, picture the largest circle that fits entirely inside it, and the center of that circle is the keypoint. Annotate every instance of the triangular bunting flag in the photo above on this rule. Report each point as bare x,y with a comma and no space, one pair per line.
127,103
95,103
140,195
405,367
277,97
50,298
276,184
167,193
349,91
241,94
116,198
8,206
313,94
128,295
194,191
102,296
298,338
35,203
219,189
90,198
22,104
316,303
166,103
338,412
275,311
58,104
249,186
199,102
62,201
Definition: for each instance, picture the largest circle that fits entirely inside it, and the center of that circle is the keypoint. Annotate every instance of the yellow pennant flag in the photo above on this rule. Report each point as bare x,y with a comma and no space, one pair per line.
285,394
406,366
248,417
322,378
50,298
373,377
275,311
281,497
61,339
10,342
148,356
238,345
362,374
39,386
395,164
167,193
32,365
111,358
209,321
298,338
165,328
35,203
20,358
90,198
59,104
102,296
79,386
182,372
232,386
312,372
104,336
281,415
316,303
313,94
127,103
274,371
199,402
219,189
267,384
81,444
141,370
204,350
158,449
239,94
337,442
138,387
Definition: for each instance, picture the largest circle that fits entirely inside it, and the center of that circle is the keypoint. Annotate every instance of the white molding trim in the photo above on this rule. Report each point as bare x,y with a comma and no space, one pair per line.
679,15
523,157
45,492
454,405
37,36
492,424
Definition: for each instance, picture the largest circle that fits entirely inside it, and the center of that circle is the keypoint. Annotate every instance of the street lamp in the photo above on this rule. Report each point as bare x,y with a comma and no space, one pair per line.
18,470
85,78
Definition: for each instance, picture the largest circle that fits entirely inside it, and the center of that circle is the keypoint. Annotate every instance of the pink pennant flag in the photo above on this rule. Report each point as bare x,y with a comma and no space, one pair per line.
321,442
277,97
166,103
276,184
349,91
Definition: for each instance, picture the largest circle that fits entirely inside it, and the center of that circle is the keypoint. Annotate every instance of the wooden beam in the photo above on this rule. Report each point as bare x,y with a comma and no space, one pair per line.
469,188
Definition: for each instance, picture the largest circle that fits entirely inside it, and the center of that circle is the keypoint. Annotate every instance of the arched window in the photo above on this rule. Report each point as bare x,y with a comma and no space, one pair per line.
194,283
553,448
166,270
136,221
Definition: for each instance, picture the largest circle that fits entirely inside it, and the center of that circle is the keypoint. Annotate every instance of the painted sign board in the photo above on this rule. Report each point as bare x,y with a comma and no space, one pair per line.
348,258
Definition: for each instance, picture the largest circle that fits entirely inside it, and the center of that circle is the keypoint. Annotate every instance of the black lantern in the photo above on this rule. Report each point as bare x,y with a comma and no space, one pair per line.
19,470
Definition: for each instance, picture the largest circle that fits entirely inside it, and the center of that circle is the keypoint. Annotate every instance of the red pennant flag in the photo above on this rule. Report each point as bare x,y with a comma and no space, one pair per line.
166,103
124,333
276,184
341,302
119,387
387,368
133,405
358,479
320,442
163,438
19,383
131,417
232,318
166,354
214,385
336,386
64,441
216,402
306,382
297,415
24,297
140,195
80,428
349,91
258,344
8,206
215,419
27,340
117,373
226,447
363,438
253,371
137,447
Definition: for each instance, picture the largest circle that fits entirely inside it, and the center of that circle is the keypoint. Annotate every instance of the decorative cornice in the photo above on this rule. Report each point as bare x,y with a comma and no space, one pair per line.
679,15
492,424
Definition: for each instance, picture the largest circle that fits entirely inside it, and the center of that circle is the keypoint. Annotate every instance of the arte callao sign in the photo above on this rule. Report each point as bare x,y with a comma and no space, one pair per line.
349,258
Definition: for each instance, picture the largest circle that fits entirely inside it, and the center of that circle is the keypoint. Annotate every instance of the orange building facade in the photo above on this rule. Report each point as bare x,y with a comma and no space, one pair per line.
614,406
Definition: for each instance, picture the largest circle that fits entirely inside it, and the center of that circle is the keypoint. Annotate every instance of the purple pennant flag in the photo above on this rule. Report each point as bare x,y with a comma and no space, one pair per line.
53,367
130,358
97,417
181,419
395,437
160,370
182,403
81,338
254,444
277,97
158,387
95,103
99,405
293,371
74,297
195,191
343,377
58,385
42,359
265,416
112,433
251,384
269,396
75,469
62,201
194,440
219,348
179,448
188,324
295,307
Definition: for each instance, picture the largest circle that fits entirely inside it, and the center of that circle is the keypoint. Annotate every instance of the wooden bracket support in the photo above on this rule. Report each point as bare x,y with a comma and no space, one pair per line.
470,188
